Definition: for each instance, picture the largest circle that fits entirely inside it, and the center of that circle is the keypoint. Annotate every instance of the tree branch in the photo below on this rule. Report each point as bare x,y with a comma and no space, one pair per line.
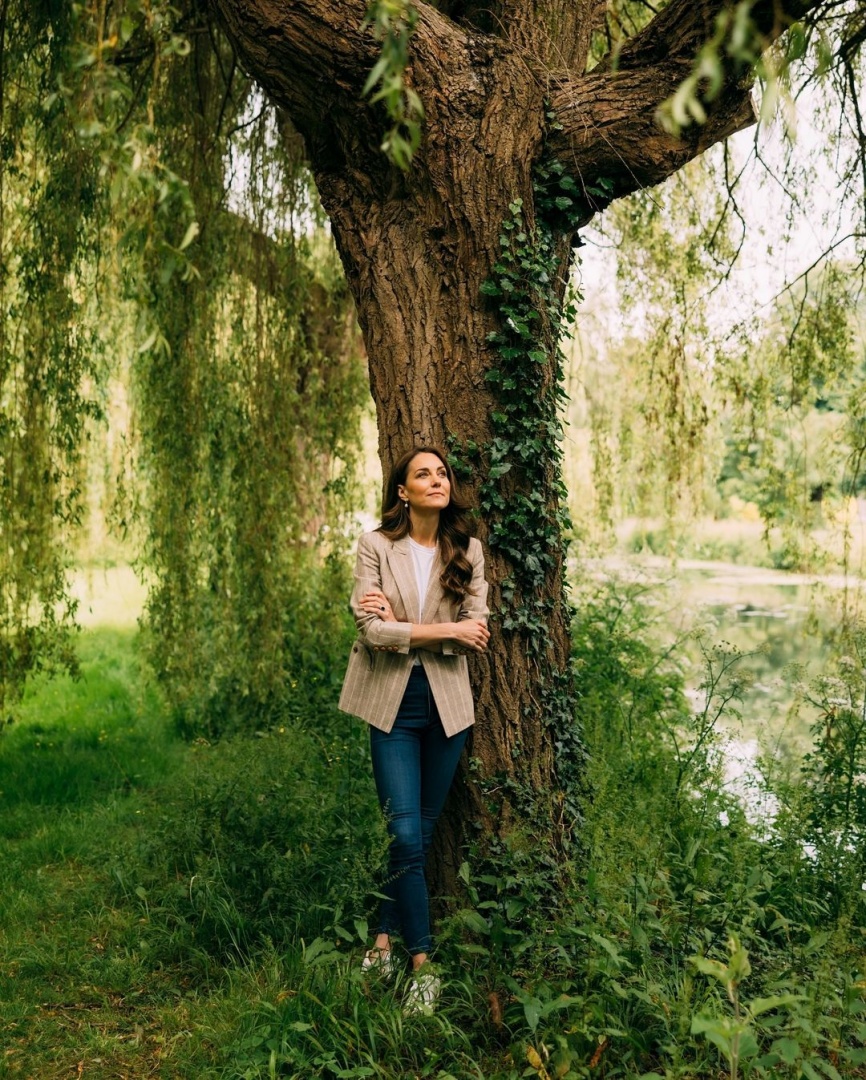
306,54
609,127
610,131
312,58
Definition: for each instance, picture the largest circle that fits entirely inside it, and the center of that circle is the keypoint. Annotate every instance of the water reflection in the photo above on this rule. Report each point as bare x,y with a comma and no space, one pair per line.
789,630
787,634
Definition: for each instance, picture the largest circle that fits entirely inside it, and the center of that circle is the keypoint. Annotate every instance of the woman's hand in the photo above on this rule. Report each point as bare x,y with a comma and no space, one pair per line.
471,634
376,603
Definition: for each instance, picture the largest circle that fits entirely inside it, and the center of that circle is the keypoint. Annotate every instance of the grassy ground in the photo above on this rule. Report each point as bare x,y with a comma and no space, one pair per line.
117,962
79,995
182,910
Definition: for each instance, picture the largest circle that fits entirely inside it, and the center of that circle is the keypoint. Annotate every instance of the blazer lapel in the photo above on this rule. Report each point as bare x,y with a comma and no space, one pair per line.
403,569
434,591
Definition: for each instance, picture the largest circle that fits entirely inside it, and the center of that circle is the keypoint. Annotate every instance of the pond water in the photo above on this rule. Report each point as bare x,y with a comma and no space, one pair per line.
781,620
787,629
785,625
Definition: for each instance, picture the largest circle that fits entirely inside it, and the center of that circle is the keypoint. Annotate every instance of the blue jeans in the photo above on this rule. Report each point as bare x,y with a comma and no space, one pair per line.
413,766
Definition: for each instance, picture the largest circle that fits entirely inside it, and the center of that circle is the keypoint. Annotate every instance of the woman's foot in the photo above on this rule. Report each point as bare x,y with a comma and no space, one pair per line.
423,992
379,958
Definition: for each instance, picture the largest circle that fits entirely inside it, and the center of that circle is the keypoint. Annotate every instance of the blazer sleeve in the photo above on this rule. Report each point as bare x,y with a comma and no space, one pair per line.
474,605
376,634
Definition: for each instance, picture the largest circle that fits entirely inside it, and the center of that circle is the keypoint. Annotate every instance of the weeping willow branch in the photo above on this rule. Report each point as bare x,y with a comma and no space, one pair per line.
231,330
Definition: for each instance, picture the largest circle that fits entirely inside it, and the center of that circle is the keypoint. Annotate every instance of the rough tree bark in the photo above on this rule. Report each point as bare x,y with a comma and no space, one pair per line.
417,247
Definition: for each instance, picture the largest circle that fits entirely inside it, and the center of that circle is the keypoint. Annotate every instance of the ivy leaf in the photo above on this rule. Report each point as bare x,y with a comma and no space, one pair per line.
499,470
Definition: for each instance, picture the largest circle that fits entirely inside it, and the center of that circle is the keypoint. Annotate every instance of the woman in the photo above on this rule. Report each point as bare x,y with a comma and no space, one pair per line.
420,606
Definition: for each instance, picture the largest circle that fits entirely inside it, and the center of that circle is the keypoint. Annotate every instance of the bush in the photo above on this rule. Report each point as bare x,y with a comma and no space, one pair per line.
682,896
255,679
262,838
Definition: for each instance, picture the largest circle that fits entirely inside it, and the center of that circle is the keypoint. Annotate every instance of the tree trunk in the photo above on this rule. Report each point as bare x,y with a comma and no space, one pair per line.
416,255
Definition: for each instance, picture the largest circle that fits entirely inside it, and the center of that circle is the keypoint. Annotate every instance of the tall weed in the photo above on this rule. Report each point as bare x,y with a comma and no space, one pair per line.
675,871
260,839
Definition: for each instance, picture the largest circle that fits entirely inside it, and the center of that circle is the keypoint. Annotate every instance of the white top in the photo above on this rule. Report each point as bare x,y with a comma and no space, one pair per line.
423,558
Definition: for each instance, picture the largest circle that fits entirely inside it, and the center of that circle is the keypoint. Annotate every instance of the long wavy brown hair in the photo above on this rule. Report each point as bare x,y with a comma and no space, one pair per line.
454,523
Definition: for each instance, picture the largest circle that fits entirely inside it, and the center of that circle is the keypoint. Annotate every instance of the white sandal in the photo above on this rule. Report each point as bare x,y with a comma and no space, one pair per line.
378,961
423,992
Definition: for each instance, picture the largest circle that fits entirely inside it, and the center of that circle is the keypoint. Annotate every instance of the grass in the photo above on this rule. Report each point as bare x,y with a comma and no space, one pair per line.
182,910
78,767
112,965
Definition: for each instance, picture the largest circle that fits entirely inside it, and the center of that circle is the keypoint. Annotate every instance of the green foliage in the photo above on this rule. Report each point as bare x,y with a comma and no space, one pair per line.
527,425
207,903
824,802
732,1034
735,38
393,23
652,424
261,839
793,392
736,46
701,411
49,356
675,871
256,352
777,388
216,312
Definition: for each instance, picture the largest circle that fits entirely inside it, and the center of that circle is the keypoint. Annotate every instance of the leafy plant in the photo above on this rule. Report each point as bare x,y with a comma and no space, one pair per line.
733,1034
393,23
261,839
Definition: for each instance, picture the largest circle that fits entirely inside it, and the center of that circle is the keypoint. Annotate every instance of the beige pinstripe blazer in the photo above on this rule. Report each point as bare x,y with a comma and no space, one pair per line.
380,661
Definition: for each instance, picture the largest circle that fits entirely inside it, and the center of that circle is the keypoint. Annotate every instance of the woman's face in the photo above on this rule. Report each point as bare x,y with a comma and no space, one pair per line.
427,486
